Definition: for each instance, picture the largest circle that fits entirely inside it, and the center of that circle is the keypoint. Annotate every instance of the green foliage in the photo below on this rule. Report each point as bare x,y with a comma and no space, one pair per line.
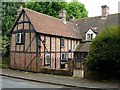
5,62
104,56
77,10
49,8
9,13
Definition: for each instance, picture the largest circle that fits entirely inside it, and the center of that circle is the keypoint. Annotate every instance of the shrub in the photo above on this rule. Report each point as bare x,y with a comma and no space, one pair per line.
5,62
103,61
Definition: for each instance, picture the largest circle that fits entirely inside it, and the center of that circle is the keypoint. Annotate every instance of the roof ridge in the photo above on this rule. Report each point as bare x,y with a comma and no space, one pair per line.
43,14
94,17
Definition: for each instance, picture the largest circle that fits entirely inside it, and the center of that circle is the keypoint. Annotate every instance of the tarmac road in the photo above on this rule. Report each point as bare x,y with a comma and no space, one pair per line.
18,83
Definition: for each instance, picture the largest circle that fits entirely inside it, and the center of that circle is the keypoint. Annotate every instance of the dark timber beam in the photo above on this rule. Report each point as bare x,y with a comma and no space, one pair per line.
37,35
60,52
55,52
50,50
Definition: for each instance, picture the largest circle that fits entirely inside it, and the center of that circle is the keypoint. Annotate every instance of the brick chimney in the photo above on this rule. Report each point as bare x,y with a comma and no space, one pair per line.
62,15
72,19
105,11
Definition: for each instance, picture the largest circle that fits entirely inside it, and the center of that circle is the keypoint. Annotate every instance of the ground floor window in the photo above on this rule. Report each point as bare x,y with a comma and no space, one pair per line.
47,59
64,58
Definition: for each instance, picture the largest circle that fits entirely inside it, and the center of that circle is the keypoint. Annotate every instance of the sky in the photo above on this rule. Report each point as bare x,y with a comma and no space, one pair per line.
94,6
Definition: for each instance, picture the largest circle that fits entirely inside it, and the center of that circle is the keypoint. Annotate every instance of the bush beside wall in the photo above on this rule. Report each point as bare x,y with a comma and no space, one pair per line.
103,61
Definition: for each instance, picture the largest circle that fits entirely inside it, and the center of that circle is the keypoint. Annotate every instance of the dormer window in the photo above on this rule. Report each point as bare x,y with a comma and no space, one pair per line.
90,35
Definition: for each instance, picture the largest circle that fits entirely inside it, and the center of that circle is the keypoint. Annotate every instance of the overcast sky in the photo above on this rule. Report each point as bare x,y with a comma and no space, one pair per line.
94,6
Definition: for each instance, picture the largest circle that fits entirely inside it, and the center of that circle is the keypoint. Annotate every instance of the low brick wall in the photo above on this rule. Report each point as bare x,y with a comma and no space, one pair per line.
68,72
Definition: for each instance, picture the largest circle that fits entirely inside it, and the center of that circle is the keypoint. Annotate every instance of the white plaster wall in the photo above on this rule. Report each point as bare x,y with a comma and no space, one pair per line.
90,32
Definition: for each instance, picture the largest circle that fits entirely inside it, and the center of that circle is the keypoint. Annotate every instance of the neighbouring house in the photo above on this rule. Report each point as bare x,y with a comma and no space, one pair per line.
88,29
41,41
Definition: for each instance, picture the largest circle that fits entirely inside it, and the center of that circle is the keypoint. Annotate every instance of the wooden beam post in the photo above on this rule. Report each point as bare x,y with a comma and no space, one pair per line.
37,51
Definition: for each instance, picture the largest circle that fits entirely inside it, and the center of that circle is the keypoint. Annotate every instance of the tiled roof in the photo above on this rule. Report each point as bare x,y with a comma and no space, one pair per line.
84,24
83,47
49,25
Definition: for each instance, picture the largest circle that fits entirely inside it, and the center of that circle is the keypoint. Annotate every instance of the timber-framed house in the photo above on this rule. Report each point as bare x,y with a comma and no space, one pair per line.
39,40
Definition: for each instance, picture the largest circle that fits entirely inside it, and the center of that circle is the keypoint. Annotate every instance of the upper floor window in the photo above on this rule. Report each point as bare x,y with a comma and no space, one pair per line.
20,39
89,37
62,42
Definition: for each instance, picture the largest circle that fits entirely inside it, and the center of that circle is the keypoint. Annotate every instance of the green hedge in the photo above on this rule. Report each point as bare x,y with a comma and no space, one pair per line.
5,62
103,61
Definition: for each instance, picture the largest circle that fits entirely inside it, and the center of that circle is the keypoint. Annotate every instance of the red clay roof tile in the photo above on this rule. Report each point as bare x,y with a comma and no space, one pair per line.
50,25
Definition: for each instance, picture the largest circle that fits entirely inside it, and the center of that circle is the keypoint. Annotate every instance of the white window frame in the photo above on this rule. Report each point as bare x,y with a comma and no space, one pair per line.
62,45
46,61
18,38
90,35
65,57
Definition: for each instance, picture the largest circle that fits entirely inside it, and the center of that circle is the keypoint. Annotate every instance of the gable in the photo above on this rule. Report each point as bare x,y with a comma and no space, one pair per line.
90,34
90,31
22,23
45,24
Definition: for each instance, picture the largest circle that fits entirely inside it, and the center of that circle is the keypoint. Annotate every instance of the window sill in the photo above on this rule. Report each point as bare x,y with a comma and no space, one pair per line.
20,43
88,40
47,64
62,46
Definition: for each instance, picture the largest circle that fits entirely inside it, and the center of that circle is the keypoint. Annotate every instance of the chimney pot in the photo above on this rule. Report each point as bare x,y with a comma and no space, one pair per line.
105,11
62,15
72,18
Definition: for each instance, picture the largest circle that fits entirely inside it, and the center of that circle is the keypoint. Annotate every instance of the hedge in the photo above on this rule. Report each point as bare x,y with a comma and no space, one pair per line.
103,60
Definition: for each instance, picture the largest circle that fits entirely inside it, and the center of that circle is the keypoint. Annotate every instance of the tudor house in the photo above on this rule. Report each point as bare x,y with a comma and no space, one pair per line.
39,40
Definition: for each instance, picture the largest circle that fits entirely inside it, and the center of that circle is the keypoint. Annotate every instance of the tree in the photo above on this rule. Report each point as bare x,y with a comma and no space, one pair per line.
9,13
49,8
77,10
104,56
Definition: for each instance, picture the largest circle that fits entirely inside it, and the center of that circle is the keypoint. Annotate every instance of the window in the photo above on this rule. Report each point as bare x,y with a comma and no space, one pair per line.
62,42
63,57
63,60
20,38
47,59
89,37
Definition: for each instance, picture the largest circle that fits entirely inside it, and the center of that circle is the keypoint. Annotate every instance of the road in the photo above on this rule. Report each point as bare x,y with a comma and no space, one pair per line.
18,83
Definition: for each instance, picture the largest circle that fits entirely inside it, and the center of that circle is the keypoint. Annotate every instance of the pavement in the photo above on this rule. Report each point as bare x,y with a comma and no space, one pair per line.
60,80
